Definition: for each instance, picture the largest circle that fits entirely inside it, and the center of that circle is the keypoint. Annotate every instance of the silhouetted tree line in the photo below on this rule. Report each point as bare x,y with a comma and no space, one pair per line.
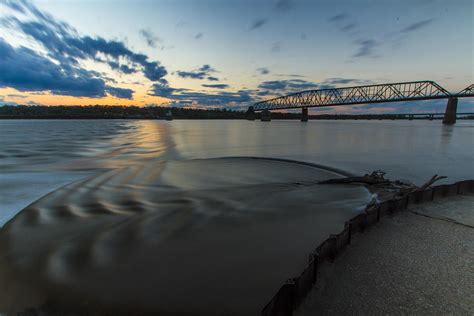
120,112
159,112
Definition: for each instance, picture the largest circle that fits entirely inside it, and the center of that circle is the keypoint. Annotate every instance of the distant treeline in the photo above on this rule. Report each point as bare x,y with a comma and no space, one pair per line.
120,112
159,112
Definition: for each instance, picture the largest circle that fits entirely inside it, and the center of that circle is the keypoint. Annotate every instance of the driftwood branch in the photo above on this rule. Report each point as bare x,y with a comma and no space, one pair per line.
375,177
377,182
431,181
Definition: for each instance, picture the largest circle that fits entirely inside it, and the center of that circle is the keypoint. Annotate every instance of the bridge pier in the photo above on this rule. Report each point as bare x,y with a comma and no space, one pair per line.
265,116
250,114
304,114
451,110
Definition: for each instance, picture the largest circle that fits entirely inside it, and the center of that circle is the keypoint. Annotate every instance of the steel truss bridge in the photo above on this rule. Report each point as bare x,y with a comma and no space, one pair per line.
378,93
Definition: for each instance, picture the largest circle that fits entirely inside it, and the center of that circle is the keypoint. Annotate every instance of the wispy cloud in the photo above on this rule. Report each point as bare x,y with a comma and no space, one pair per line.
276,47
258,23
284,5
151,39
416,26
339,17
348,27
216,86
198,36
366,48
263,70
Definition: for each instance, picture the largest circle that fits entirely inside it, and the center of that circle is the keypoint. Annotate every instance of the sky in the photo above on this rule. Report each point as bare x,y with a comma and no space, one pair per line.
229,54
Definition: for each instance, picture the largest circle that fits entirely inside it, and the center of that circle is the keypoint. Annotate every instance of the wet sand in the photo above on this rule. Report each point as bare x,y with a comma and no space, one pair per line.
420,262
214,236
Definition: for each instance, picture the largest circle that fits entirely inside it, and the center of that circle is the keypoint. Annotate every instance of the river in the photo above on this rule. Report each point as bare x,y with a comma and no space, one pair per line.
143,206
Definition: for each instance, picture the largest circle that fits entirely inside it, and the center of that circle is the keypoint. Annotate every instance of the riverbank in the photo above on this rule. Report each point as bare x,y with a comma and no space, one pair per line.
417,262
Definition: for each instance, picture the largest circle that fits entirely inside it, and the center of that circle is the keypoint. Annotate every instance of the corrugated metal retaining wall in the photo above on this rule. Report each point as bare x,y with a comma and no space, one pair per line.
292,293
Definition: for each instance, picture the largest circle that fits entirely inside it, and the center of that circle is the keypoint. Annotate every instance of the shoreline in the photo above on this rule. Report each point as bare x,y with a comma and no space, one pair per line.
293,293
416,262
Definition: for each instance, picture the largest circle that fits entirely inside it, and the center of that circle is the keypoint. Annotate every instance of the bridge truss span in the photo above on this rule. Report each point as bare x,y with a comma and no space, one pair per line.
379,93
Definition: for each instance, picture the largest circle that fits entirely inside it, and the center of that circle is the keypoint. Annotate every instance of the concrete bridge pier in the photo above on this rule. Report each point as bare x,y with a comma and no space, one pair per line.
304,114
265,116
250,114
451,109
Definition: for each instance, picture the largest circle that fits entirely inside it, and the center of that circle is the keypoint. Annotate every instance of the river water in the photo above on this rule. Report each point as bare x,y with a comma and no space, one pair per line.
149,209
37,156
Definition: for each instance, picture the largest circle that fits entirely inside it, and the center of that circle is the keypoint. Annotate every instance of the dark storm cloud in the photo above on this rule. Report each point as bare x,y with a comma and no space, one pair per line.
216,86
199,73
416,26
67,48
263,70
258,24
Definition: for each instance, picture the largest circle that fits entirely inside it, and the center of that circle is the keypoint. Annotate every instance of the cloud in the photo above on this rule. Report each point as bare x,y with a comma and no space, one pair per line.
335,81
25,70
276,47
348,27
3,102
289,75
416,26
18,96
162,89
67,48
339,17
285,85
366,48
284,5
198,36
211,78
258,24
119,92
150,39
216,86
199,73
263,70
241,98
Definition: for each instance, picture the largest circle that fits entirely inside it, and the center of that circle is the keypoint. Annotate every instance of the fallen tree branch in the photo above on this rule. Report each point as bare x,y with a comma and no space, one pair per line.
431,181
377,182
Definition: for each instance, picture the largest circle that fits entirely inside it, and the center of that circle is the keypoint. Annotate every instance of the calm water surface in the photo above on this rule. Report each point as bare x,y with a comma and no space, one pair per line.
38,156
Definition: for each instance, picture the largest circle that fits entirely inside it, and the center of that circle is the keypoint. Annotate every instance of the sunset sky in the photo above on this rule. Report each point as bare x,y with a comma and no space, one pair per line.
216,54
